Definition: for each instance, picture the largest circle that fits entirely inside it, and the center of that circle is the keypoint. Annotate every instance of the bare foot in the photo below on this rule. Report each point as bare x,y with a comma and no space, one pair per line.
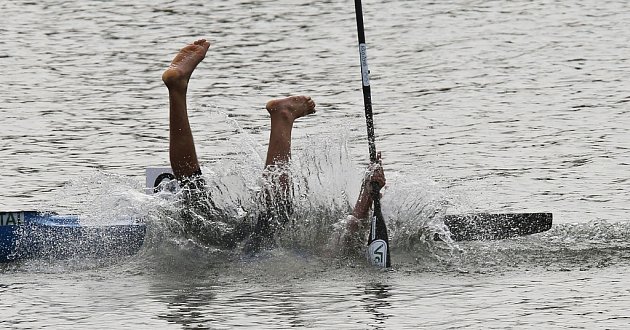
184,63
292,107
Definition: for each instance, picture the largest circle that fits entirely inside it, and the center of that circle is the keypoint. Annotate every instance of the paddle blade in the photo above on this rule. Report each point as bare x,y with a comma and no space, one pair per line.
378,242
489,226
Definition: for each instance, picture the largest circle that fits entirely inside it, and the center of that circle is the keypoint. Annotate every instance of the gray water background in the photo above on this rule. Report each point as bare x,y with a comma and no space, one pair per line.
500,106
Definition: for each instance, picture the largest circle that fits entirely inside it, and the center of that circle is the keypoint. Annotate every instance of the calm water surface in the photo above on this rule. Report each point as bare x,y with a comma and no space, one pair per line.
501,106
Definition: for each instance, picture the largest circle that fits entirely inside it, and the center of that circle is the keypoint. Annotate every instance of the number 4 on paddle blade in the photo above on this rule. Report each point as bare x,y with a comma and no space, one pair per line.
377,253
378,242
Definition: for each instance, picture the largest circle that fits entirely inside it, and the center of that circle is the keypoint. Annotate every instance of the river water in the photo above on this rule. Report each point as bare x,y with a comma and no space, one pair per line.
490,106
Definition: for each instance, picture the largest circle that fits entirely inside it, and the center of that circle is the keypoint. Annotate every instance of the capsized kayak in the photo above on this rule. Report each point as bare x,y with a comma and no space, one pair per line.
31,234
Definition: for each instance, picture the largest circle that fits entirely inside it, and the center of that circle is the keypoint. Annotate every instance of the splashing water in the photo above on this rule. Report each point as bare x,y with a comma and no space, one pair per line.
325,185
101,198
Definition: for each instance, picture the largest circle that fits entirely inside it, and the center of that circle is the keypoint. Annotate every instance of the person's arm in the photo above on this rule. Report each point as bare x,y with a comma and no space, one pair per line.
363,205
346,235
364,202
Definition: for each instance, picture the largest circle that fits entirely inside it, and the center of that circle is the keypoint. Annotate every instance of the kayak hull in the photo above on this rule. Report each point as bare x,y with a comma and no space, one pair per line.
27,234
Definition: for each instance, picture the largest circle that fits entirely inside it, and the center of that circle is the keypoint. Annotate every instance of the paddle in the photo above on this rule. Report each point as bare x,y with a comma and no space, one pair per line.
378,243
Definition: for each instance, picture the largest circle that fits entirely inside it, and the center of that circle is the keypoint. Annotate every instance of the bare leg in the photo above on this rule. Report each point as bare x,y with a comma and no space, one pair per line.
182,146
283,113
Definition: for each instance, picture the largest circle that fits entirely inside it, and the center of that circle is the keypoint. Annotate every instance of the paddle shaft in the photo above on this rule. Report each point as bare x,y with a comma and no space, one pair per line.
378,232
365,77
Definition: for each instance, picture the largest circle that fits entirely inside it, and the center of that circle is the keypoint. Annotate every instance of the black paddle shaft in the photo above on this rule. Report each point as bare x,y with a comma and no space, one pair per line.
365,77
379,229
